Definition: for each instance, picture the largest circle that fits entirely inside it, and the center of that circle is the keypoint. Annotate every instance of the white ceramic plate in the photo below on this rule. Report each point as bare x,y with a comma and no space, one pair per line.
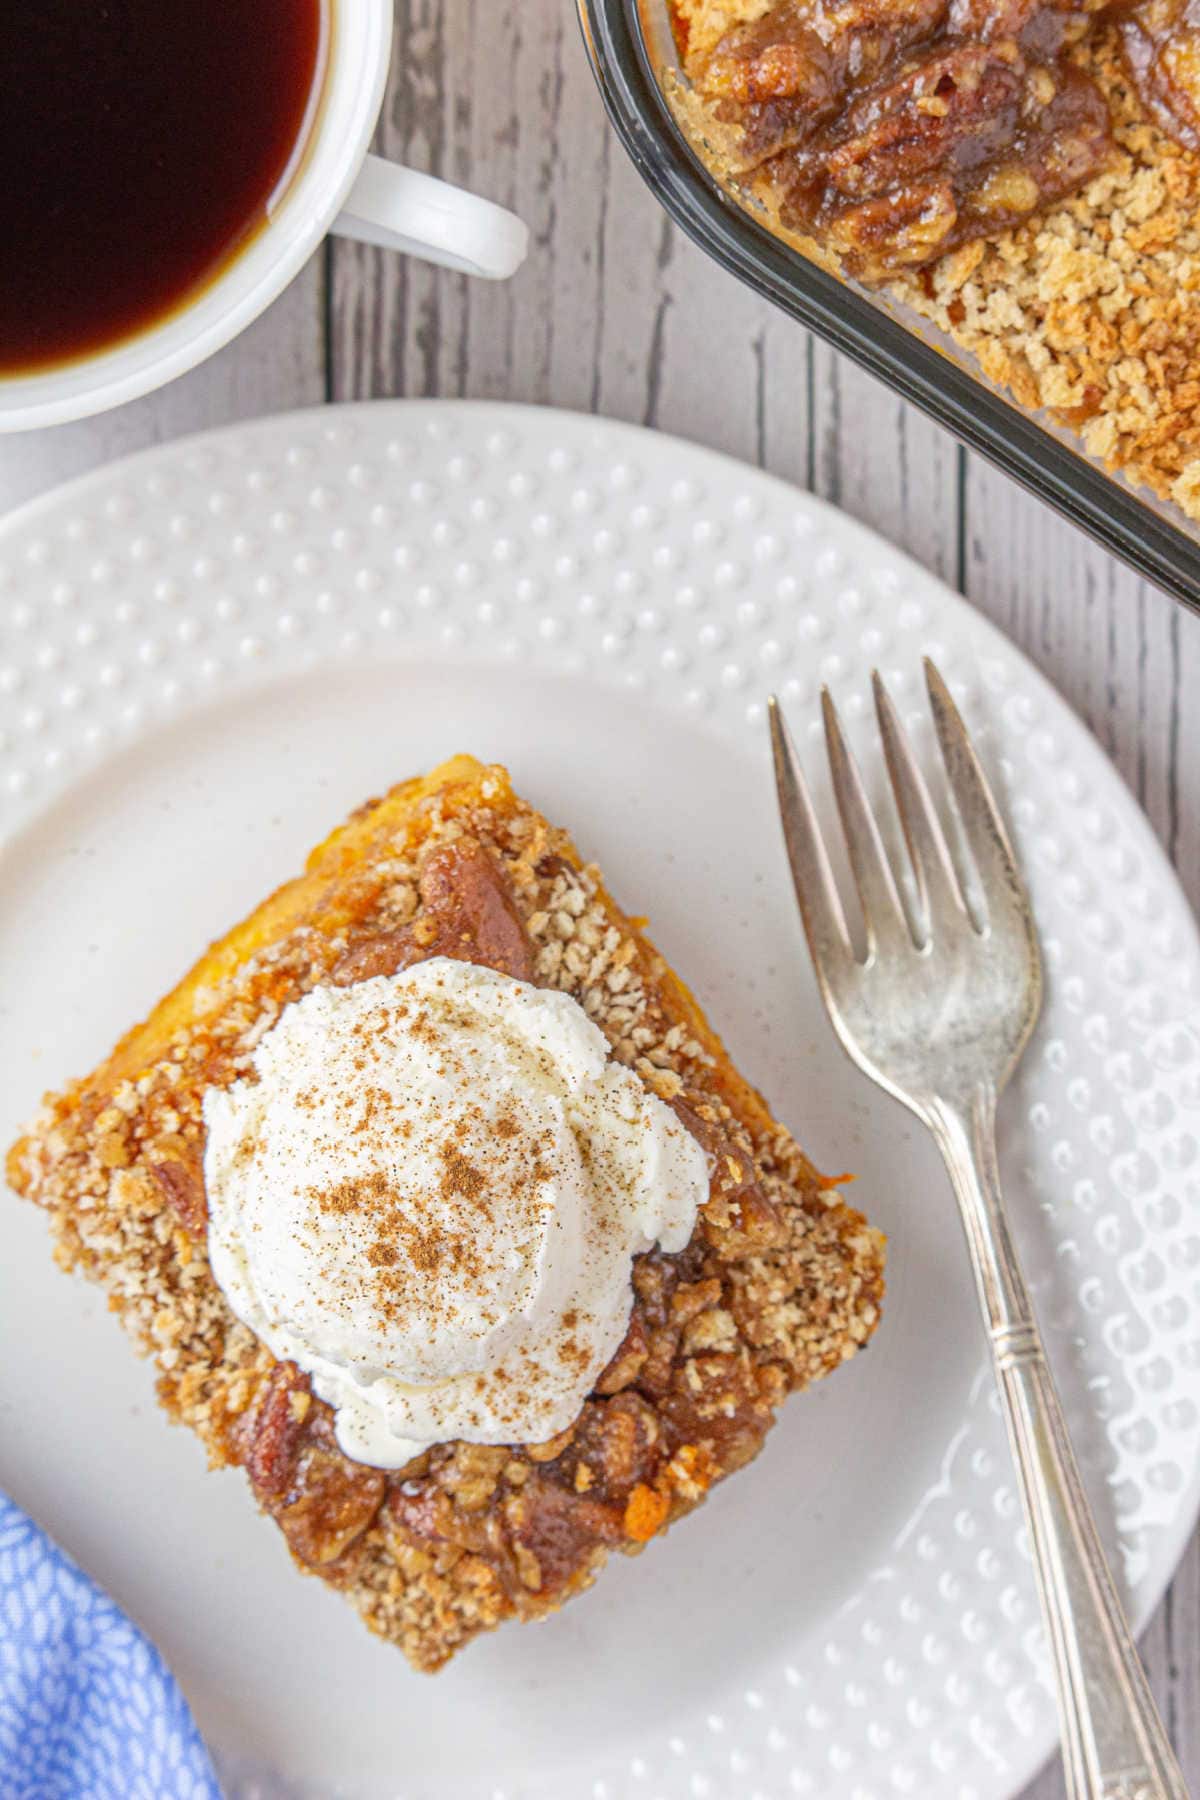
211,653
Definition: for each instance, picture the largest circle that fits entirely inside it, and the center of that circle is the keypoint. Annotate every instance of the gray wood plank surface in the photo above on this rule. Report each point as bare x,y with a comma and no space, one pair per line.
617,313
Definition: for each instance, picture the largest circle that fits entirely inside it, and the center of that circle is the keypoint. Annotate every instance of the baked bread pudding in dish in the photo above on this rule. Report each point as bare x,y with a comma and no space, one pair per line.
446,1216
1022,173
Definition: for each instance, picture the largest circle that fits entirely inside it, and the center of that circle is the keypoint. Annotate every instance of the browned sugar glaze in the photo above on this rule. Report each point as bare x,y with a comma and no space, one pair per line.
141,142
894,130
1161,41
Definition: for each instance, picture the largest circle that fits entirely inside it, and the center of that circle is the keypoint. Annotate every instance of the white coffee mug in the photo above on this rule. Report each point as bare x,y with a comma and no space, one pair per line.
337,186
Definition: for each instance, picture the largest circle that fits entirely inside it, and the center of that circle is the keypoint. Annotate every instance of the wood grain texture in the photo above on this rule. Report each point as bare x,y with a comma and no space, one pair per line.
617,313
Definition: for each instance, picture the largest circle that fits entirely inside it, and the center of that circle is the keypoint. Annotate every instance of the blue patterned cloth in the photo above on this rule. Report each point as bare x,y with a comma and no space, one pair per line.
88,1708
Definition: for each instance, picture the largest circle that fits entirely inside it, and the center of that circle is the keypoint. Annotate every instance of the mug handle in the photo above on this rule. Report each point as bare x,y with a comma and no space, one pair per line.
401,209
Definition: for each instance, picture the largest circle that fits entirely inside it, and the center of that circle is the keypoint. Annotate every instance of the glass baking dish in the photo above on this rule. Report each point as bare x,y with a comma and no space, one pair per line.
630,43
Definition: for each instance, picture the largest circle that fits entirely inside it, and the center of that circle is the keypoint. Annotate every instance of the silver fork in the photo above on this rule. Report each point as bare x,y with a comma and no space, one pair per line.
938,1014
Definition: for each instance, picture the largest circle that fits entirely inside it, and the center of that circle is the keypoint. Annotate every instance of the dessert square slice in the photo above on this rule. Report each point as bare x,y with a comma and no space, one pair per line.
773,1283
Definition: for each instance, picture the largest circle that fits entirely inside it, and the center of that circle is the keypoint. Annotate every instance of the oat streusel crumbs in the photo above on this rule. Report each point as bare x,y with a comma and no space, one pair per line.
780,1283
1093,312
1089,311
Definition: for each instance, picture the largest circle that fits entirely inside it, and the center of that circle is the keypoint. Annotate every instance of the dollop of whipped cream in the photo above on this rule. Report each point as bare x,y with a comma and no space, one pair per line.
429,1197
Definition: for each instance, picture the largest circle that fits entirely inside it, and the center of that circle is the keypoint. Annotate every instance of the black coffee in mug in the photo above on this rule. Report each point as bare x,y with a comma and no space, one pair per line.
142,143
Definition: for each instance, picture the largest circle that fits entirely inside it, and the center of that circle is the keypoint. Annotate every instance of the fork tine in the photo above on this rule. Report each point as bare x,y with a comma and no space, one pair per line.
883,914
816,891
982,824
937,884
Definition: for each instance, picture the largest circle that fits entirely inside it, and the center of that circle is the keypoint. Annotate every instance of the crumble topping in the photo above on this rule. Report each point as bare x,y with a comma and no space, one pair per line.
1093,313
1090,311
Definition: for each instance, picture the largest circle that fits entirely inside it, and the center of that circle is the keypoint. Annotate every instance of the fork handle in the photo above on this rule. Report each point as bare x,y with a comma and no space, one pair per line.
1114,1744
